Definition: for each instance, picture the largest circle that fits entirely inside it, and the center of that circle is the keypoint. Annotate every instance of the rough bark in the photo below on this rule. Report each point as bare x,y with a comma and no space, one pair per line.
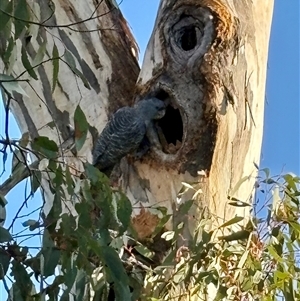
208,60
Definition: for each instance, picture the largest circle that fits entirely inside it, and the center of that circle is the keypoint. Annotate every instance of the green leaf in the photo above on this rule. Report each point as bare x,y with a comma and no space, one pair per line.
122,292
3,161
258,276
68,224
275,255
269,181
5,235
161,224
202,275
168,235
35,181
27,64
70,273
117,272
124,210
237,203
55,289
35,10
290,289
16,293
45,146
266,171
58,181
69,181
232,221
185,207
55,56
291,181
29,222
39,55
21,13
295,226
56,208
113,261
2,215
4,262
6,6
51,260
144,251
83,78
240,235
81,128
93,173
51,255
22,278
32,224
81,281
247,284
70,59
243,259
10,47
10,84
17,158
84,213
281,275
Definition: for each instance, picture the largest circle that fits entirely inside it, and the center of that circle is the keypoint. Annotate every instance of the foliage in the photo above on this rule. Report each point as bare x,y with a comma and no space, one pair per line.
258,261
87,218
87,235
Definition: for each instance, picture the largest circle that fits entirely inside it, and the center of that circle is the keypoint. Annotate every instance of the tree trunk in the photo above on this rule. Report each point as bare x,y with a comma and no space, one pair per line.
206,59
100,44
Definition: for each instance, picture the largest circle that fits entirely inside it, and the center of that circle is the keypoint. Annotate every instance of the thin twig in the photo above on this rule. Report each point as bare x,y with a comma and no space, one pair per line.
60,25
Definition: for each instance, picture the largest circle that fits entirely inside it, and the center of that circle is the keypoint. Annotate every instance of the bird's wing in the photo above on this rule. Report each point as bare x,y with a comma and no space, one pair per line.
122,135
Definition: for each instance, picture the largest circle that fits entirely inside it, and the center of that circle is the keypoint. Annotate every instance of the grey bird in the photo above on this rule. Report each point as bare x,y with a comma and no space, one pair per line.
125,131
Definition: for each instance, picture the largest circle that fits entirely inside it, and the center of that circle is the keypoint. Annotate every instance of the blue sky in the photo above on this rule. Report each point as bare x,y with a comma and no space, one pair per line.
281,145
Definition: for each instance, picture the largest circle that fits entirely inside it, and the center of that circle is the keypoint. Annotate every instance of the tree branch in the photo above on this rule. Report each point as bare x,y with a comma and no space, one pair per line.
15,179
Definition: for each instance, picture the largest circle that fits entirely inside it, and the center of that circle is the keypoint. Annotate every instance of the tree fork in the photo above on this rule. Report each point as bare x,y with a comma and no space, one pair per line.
206,59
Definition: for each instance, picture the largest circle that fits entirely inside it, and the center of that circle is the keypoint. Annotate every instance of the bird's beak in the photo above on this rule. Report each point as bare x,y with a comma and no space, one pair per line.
160,114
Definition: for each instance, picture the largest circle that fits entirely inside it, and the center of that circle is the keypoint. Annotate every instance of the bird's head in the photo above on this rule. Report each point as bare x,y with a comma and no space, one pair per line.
151,108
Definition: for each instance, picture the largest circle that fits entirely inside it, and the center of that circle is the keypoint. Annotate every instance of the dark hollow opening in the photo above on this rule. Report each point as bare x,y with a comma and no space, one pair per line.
171,125
188,39
162,95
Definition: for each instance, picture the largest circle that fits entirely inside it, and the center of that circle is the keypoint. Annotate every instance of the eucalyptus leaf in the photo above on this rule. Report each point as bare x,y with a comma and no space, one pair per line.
27,64
40,54
81,128
5,236
6,6
22,17
11,85
4,262
55,62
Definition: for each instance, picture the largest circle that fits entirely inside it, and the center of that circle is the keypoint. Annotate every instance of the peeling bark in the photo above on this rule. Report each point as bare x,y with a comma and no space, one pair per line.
103,49
207,60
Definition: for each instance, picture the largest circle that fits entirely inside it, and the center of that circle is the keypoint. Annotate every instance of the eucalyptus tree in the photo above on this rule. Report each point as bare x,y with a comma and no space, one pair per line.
67,66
